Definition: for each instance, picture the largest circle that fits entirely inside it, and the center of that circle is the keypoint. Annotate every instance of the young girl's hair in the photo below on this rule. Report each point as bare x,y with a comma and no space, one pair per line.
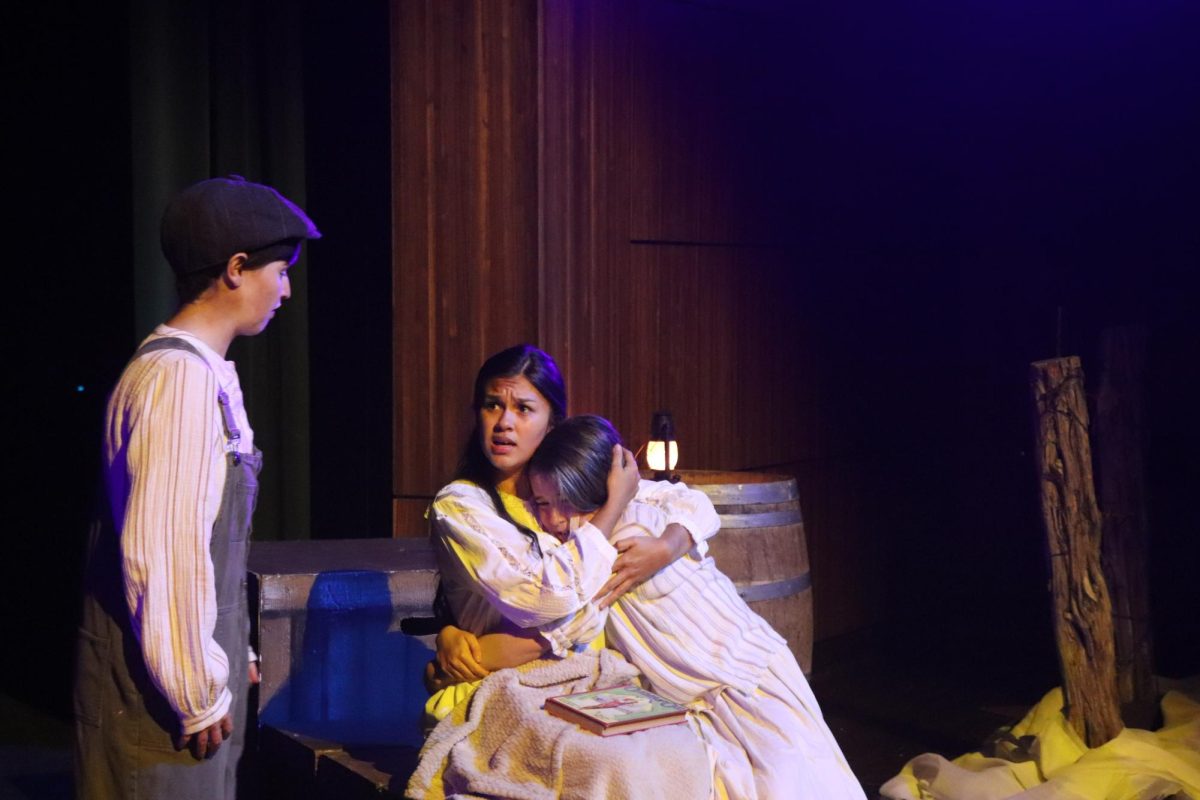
576,457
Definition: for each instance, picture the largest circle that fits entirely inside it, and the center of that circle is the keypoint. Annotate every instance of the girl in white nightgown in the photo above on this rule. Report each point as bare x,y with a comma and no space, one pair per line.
695,639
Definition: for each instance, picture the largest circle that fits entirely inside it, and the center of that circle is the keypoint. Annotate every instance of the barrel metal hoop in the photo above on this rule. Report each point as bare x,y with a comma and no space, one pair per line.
771,590
783,491
765,519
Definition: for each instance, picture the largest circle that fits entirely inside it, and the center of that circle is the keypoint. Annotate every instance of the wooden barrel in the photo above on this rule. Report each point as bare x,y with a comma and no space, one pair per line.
761,547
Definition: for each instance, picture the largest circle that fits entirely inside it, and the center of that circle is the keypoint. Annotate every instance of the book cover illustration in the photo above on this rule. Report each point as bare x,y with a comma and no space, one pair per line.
620,709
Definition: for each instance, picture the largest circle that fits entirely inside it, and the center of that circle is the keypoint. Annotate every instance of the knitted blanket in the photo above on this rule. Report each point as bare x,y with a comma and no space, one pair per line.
501,743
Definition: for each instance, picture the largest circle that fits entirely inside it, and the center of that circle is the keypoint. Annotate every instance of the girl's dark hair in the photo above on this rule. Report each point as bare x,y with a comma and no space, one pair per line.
537,367
192,285
576,457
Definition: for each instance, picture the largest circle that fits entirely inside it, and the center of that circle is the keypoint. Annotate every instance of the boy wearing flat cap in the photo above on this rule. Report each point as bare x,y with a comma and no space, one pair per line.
164,664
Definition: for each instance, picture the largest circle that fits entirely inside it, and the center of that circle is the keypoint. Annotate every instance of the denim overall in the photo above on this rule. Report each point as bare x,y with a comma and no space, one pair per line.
125,730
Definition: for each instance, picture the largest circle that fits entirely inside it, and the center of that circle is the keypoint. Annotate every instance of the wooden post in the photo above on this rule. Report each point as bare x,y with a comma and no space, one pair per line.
1121,467
1083,625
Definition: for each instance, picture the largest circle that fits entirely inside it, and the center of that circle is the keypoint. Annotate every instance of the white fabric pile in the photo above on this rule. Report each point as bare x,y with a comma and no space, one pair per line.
1042,758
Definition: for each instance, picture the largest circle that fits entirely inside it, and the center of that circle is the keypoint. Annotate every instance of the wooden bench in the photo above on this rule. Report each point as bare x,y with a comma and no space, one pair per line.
341,695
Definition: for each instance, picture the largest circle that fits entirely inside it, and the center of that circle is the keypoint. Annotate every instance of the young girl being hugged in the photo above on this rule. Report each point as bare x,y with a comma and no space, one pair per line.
695,639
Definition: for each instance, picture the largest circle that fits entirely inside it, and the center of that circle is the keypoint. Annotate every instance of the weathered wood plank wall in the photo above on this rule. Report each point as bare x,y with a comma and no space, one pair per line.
464,122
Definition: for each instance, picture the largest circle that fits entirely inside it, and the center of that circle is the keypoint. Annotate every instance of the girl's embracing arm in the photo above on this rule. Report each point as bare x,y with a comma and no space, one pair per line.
683,506
689,519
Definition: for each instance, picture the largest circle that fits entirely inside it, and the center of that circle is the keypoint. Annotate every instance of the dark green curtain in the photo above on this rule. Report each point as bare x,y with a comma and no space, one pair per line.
217,88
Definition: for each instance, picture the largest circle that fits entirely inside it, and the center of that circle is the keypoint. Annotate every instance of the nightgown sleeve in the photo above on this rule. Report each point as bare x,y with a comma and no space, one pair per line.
498,562
681,505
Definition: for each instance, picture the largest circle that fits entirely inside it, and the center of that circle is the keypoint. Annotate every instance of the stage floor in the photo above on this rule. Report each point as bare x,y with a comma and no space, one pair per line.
888,696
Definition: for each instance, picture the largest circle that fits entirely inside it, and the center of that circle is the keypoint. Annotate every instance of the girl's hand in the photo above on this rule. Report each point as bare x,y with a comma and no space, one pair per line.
623,477
458,655
639,557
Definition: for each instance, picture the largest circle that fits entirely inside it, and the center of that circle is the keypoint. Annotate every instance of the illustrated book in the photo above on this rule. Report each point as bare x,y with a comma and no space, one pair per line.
623,709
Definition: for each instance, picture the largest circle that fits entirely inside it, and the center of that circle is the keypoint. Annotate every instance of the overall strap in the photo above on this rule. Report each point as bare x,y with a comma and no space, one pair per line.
175,343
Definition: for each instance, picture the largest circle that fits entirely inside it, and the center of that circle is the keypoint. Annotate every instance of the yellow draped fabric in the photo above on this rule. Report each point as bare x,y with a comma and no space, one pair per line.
1044,758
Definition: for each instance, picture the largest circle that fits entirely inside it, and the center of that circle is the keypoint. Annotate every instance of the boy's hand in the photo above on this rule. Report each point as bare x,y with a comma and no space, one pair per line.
205,743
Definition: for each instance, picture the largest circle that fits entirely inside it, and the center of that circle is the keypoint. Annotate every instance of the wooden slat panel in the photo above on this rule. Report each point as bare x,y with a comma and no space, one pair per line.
408,517
412,248
847,566
465,125
585,294
647,327
570,173
707,86
723,336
